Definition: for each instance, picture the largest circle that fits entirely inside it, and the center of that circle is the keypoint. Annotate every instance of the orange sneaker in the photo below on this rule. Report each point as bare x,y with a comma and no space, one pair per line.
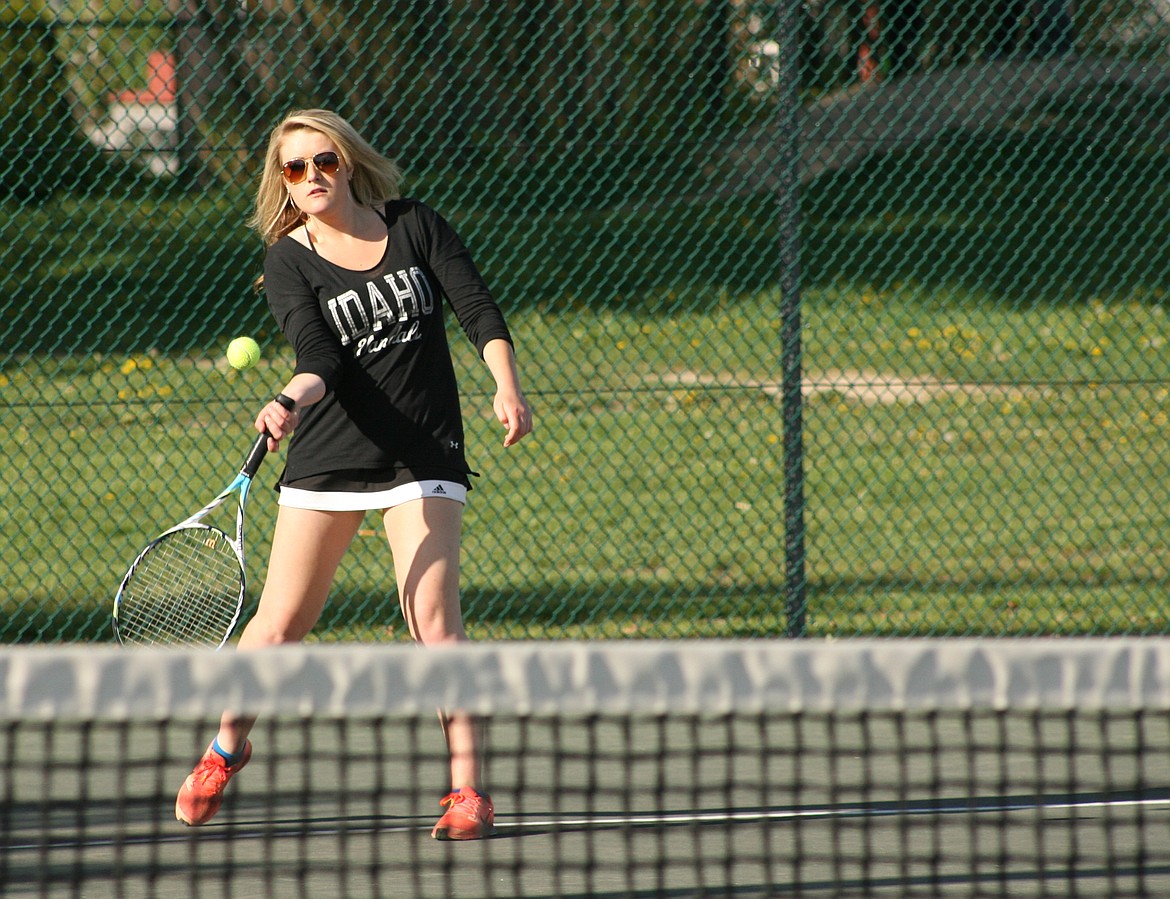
469,816
202,792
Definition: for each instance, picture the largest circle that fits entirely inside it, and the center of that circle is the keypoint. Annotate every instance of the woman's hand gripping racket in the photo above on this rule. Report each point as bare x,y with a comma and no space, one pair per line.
187,586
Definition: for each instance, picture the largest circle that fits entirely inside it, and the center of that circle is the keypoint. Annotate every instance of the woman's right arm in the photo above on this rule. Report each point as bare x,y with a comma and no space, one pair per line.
318,353
304,390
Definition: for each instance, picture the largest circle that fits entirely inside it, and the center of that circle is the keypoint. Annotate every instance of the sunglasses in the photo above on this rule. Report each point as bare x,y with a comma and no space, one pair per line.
326,163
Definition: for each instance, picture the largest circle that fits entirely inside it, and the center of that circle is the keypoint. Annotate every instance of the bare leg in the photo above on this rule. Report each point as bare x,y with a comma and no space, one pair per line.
307,547
424,537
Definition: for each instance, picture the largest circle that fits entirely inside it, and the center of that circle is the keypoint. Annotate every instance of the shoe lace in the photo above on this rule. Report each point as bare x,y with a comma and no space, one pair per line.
209,774
471,800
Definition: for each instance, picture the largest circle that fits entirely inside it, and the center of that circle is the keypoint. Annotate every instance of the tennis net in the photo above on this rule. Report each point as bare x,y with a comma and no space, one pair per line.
761,768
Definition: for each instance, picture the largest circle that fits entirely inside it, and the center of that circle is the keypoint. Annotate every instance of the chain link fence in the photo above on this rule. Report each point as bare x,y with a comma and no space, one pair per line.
838,318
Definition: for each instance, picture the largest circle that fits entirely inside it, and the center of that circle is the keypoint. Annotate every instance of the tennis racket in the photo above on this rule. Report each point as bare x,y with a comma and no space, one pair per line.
187,586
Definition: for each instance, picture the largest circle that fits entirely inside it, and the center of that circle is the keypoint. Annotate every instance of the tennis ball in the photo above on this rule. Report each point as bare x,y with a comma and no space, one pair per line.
243,353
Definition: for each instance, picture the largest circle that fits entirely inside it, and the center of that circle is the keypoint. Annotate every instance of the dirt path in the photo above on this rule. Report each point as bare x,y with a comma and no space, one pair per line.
862,386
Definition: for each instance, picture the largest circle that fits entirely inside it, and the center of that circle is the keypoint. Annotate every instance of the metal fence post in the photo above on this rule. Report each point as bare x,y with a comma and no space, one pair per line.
788,201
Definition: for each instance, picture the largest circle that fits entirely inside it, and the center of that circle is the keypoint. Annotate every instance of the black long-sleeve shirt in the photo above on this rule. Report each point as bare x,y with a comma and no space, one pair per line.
377,339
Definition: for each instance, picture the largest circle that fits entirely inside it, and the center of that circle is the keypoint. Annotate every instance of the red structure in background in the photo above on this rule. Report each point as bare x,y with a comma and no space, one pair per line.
160,82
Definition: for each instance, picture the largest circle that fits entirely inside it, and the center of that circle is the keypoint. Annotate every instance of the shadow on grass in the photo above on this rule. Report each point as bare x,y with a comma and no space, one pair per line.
1041,605
1020,217
1014,220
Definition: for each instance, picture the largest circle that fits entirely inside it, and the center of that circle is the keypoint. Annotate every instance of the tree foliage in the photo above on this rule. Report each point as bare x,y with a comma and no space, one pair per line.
505,82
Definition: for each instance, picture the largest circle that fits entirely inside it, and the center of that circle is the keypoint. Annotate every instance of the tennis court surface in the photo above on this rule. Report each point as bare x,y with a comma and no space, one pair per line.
760,768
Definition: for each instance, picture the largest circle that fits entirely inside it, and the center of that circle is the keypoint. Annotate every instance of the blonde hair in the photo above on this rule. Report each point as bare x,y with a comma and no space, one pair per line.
375,178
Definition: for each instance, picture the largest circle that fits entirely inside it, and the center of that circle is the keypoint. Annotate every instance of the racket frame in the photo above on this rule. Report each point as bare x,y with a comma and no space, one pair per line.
239,487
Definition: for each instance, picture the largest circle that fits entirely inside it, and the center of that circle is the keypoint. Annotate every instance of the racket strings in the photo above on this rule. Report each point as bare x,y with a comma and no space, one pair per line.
187,588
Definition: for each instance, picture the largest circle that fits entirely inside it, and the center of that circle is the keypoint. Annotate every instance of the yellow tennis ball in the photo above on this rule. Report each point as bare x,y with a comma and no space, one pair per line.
243,353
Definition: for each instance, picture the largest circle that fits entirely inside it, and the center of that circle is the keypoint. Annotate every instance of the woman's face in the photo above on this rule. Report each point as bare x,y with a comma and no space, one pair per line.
314,172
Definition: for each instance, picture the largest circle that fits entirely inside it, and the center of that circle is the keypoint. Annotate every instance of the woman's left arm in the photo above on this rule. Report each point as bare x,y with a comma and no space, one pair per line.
510,406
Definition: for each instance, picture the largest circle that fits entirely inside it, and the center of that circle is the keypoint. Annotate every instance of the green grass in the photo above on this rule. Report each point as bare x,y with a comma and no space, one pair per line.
649,505
1011,481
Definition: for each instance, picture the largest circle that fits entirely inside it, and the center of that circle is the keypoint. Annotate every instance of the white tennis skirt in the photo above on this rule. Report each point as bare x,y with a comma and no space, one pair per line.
362,501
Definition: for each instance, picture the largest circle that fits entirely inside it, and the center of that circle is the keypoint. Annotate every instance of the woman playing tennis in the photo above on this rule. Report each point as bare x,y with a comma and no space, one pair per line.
355,278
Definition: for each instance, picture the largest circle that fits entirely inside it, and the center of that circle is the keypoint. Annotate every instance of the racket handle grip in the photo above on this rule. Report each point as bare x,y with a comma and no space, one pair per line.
260,447
256,456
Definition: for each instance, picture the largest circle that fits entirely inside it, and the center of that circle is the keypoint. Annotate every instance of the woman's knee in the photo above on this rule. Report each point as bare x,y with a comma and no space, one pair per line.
436,623
441,636
274,630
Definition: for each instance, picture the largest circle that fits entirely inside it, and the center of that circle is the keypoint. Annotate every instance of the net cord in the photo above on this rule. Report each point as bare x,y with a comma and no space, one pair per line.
587,678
